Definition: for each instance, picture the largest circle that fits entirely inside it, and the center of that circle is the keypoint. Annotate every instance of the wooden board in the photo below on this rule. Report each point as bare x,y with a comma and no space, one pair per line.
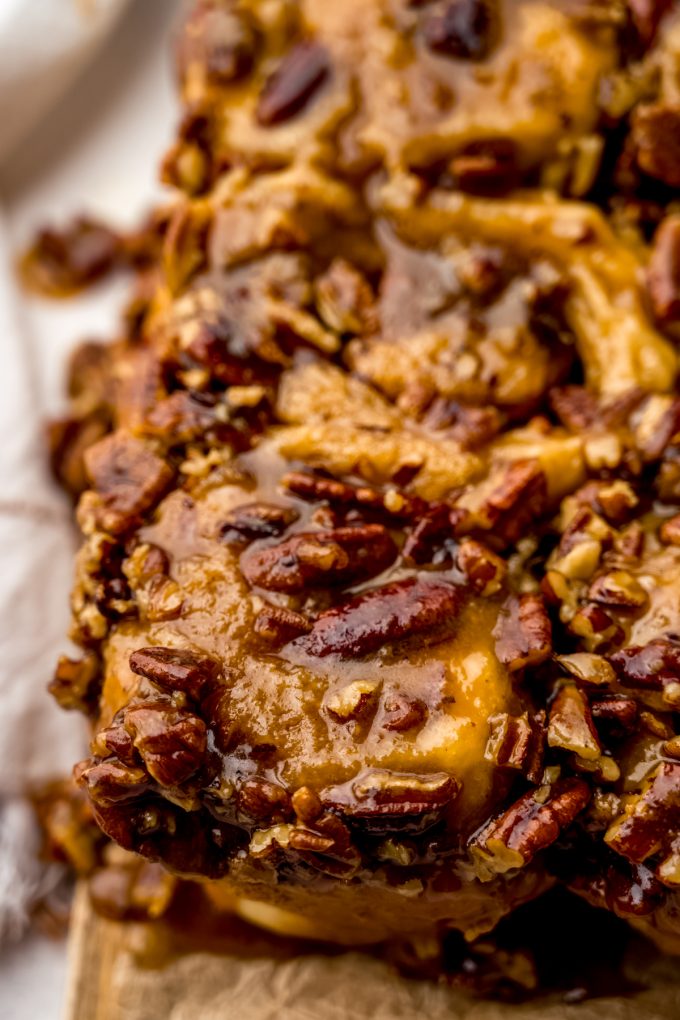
108,982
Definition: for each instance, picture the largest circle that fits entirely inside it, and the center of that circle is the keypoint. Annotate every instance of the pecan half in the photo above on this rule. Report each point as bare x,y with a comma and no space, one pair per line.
652,820
570,724
393,799
256,520
523,633
297,78
465,29
338,556
663,276
383,615
516,742
530,825
172,742
129,477
175,669
652,667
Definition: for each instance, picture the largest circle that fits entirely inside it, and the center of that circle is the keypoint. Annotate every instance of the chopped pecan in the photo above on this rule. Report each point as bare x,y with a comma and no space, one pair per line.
129,477
171,741
518,499
383,615
338,556
345,299
575,406
615,500
61,262
132,890
652,667
181,417
163,599
523,633
530,825
262,800
435,530
484,570
144,563
176,669
75,682
595,627
470,426
316,488
402,713
352,701
256,520
570,724
465,29
588,668
652,820
646,16
116,740
656,424
619,589
110,782
277,625
307,805
297,78
656,138
516,742
617,715
663,276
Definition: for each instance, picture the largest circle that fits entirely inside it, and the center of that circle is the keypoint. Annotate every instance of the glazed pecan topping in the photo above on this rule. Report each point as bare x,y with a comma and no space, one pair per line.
61,262
618,589
110,782
256,520
465,29
297,78
570,724
129,478
656,138
175,669
652,822
516,742
170,741
652,667
344,495
379,794
483,569
277,625
383,615
338,556
74,684
663,277
615,715
433,534
261,800
523,632
530,825
518,499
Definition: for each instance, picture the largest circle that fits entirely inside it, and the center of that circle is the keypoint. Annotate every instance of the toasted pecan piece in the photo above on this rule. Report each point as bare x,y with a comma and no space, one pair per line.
128,476
523,632
393,612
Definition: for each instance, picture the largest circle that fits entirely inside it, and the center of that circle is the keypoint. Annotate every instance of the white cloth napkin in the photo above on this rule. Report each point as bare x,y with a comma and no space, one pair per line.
42,47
